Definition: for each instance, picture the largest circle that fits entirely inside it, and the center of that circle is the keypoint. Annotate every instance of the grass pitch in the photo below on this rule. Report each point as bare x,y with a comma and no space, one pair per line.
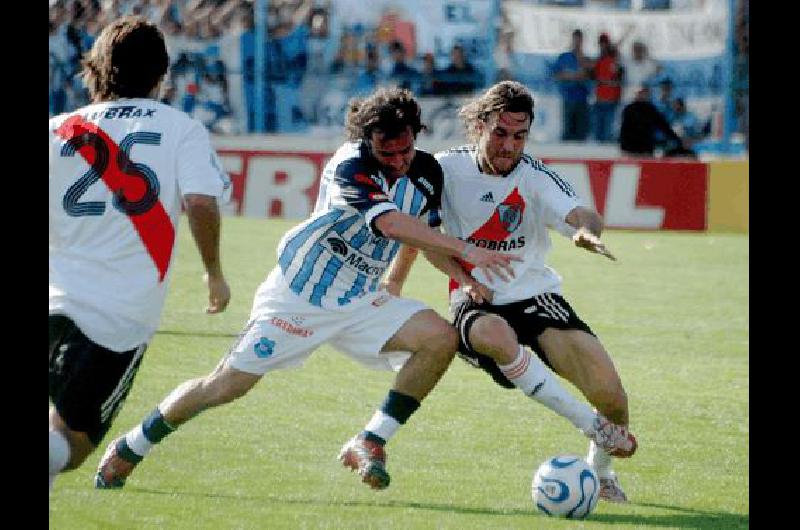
673,312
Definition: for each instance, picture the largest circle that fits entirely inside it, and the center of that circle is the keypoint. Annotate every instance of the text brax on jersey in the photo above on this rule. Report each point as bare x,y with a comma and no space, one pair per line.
126,111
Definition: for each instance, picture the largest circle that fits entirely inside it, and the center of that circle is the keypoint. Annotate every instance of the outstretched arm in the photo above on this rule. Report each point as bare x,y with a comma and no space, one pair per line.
413,232
589,225
204,221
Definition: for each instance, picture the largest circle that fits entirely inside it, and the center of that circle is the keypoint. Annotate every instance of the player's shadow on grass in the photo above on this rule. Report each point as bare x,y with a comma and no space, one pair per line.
195,333
688,518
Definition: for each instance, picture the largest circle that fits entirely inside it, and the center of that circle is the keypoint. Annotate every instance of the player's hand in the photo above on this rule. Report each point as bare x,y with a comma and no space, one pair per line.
219,294
478,292
585,239
491,261
392,287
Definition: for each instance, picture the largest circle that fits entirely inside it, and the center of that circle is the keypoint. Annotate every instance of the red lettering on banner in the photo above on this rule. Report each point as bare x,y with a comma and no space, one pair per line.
154,225
679,188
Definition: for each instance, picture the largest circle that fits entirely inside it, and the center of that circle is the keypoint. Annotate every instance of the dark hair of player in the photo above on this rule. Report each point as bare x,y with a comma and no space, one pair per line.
506,96
388,110
127,60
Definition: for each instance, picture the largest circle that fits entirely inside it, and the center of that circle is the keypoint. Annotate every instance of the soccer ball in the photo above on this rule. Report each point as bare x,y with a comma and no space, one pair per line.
565,486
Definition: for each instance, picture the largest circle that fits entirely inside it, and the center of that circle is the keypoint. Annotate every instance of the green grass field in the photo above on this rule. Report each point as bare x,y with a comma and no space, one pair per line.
673,312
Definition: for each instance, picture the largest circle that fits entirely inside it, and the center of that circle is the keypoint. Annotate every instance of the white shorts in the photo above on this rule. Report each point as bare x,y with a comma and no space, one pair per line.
285,329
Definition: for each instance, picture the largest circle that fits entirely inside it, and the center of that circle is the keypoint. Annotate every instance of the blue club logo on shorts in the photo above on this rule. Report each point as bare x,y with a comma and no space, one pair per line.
264,347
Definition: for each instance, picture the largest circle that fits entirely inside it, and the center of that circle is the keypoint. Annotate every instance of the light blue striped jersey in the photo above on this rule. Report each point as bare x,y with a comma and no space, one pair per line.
337,254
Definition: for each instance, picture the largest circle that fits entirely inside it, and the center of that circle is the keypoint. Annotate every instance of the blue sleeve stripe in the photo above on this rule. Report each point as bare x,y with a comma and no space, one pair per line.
356,289
294,244
393,252
328,275
340,227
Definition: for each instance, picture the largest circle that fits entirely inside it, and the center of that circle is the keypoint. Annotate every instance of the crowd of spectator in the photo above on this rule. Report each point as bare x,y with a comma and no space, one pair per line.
212,77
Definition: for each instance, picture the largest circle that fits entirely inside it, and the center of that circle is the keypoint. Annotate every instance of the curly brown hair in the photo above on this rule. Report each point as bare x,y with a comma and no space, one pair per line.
127,60
505,96
388,110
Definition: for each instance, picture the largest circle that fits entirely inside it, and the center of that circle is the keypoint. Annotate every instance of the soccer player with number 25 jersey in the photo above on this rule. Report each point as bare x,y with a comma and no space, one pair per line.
119,170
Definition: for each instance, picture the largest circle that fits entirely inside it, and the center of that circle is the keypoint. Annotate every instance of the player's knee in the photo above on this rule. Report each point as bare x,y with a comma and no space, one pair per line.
441,340
492,336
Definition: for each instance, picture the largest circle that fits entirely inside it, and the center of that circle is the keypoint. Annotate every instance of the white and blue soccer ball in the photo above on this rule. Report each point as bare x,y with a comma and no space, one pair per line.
565,486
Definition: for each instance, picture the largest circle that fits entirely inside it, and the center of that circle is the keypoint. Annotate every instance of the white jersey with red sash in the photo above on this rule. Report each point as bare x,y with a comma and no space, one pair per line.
510,213
117,172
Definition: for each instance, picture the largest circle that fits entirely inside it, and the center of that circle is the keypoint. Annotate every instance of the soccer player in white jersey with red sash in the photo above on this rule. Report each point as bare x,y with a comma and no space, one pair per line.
119,169
376,192
497,197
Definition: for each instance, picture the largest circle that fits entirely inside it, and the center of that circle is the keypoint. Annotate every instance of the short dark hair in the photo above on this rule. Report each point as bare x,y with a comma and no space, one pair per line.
505,96
388,110
127,60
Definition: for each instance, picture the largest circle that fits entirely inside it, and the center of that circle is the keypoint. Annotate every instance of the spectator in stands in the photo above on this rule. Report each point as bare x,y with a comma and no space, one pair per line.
686,124
640,122
370,76
665,98
572,70
640,70
608,74
429,84
348,56
401,73
460,77
504,57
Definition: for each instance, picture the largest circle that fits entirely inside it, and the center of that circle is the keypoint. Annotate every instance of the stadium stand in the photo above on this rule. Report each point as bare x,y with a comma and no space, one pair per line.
318,55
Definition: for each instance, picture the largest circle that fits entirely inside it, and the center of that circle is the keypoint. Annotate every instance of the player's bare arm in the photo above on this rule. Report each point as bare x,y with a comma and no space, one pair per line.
399,268
204,220
453,269
589,226
411,231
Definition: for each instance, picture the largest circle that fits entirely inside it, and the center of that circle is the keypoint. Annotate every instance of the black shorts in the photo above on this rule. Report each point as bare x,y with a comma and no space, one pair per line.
528,318
88,383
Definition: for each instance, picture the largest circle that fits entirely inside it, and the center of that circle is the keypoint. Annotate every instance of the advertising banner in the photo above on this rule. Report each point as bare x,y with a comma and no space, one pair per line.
629,193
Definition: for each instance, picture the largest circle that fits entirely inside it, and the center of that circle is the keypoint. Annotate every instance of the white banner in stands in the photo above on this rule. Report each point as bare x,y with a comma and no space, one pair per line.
685,34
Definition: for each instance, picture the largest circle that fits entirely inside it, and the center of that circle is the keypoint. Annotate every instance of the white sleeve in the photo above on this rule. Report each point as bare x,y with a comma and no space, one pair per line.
199,169
558,199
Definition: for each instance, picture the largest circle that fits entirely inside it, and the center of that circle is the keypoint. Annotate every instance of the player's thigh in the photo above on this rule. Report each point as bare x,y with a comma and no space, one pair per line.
386,329
426,330
580,358
277,340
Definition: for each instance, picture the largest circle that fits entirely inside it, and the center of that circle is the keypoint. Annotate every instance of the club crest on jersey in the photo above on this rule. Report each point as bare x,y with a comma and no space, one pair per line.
264,347
510,216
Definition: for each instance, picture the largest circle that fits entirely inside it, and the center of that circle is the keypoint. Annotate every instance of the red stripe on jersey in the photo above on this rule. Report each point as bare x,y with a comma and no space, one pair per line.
496,228
363,179
153,226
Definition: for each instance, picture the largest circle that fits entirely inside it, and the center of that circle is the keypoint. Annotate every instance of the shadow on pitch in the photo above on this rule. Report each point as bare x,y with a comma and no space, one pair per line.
195,333
687,518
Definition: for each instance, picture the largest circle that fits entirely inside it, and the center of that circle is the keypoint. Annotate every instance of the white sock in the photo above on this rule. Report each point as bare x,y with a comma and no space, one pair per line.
599,460
383,425
59,454
137,441
531,376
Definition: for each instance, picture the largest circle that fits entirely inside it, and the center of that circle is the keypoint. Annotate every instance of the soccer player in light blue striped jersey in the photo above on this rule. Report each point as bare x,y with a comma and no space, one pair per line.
377,192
